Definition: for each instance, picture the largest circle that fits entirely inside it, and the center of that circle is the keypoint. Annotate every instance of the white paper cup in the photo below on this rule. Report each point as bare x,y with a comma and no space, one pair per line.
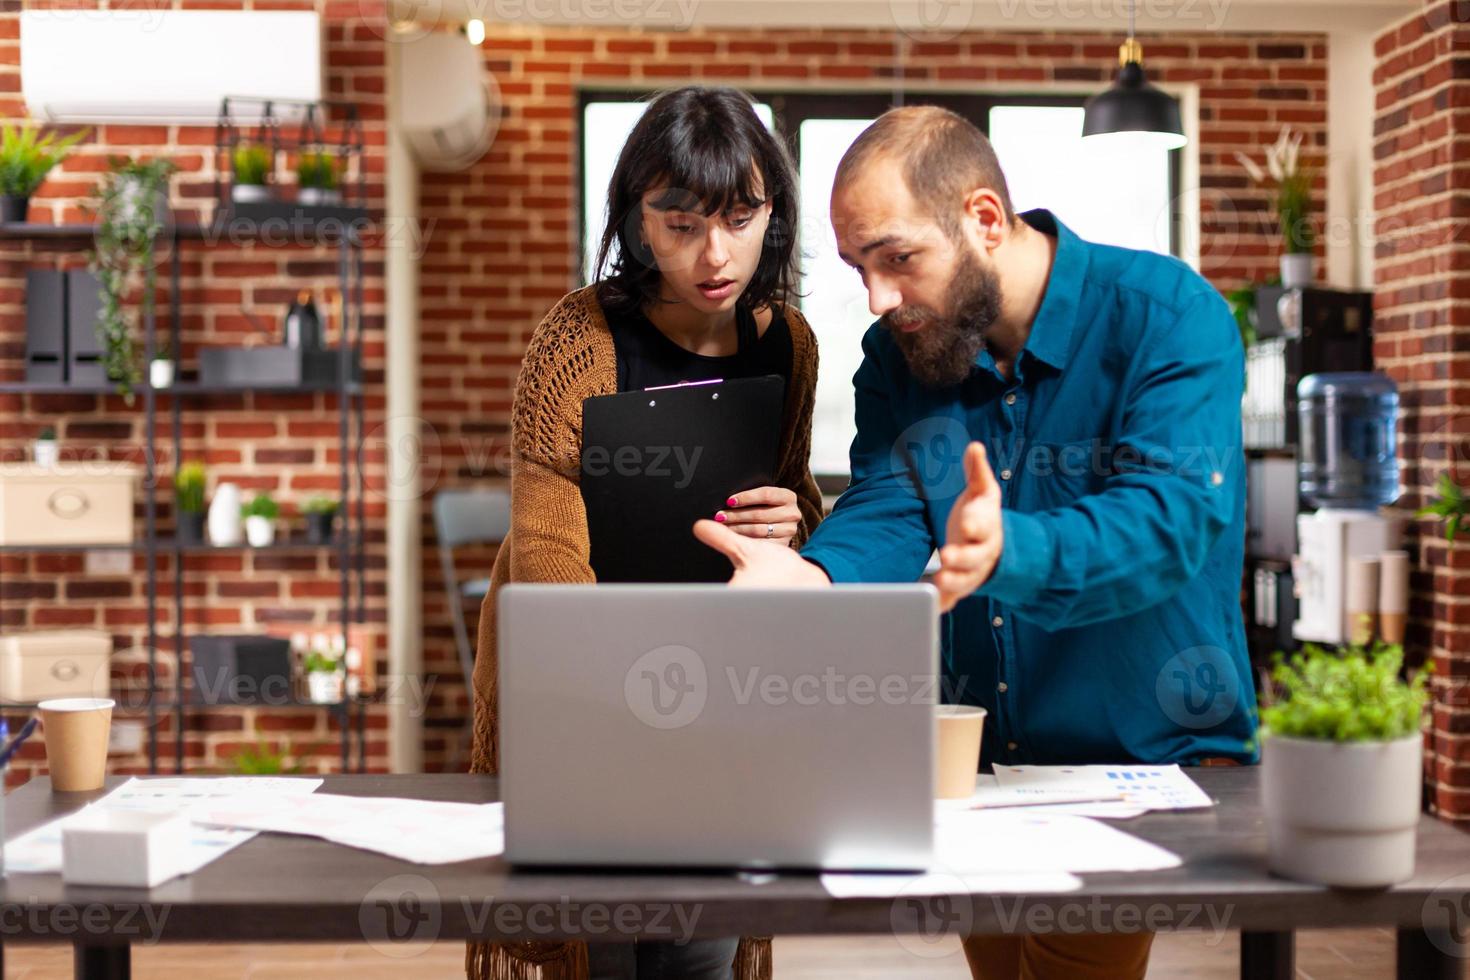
76,741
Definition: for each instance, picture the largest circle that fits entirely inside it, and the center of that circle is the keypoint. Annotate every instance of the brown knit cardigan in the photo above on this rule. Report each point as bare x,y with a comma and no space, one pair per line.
571,357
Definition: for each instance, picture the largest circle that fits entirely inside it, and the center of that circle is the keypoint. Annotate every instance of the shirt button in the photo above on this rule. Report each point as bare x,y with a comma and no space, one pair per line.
1012,746
1002,687
1005,474
1011,399
997,622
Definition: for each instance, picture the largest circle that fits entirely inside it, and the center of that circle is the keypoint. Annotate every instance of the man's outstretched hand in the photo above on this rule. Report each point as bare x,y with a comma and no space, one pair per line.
973,537
758,562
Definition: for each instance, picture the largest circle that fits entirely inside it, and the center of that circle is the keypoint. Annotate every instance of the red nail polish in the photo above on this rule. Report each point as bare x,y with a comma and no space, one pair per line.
733,502
720,518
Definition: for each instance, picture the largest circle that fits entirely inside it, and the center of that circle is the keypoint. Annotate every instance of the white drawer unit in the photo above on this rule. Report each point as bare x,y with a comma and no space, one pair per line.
54,664
68,504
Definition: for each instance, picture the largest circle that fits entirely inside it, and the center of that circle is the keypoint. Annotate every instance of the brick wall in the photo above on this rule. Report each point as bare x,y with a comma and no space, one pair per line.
284,443
504,243
1422,339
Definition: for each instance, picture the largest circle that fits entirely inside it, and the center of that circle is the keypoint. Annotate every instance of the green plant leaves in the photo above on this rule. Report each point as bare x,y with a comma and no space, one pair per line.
1356,695
1450,505
26,157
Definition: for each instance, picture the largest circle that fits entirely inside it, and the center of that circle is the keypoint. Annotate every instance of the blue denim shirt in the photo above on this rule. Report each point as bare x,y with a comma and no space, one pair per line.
1111,628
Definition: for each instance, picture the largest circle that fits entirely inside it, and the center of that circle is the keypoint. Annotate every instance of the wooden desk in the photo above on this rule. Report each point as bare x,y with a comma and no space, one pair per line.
294,889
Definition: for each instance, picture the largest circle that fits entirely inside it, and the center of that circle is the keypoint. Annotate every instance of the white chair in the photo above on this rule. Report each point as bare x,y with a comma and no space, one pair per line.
463,518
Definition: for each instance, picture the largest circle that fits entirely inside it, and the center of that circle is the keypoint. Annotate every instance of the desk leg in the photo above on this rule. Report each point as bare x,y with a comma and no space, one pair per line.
1421,958
1267,955
102,962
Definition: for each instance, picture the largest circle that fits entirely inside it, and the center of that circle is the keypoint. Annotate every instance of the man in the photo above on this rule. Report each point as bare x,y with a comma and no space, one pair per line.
1091,530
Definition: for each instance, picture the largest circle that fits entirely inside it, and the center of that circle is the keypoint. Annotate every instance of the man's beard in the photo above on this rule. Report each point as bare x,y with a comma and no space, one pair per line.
941,353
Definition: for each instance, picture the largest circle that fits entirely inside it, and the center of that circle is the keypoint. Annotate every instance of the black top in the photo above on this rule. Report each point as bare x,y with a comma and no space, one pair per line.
648,359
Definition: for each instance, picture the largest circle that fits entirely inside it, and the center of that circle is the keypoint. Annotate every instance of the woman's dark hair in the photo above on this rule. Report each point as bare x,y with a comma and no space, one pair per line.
711,152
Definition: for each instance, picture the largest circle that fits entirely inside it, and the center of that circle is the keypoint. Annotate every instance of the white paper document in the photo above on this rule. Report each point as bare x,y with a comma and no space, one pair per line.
1023,841
1149,787
421,831
38,851
1010,850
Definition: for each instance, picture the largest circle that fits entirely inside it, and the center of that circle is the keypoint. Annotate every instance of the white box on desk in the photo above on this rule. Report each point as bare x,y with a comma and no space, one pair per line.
123,848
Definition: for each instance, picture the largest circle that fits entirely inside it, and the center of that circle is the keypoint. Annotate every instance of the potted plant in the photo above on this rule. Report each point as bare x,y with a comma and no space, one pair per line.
1341,766
263,759
317,178
260,515
251,163
161,368
26,158
1291,184
44,450
130,216
1450,505
321,514
189,503
323,676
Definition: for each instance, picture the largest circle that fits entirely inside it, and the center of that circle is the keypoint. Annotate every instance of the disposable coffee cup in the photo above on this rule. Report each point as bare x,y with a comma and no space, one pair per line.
76,742
957,750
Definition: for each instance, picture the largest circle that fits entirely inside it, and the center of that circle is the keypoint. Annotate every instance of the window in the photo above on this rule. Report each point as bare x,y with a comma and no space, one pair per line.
1114,196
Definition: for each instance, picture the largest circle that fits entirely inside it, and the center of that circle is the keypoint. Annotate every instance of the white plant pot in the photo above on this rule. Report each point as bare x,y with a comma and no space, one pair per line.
259,531
318,195
1296,270
1341,813
46,452
323,687
224,516
161,373
249,193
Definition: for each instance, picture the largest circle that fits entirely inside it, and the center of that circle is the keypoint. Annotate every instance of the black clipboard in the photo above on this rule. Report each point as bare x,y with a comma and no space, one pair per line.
655,461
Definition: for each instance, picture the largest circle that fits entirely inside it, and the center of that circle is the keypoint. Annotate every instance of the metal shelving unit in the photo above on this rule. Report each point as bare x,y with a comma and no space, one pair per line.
304,221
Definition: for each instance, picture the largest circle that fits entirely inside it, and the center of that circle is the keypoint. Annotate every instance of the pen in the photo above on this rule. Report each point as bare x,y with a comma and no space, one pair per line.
25,732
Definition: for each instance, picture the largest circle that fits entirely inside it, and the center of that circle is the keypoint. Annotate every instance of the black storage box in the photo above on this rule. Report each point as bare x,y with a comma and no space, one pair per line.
83,348
241,669
46,325
273,367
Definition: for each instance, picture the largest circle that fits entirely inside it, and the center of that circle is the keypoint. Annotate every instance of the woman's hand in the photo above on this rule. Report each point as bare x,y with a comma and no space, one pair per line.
765,512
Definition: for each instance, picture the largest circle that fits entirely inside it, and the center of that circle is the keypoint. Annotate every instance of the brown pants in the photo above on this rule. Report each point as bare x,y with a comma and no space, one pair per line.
1110,956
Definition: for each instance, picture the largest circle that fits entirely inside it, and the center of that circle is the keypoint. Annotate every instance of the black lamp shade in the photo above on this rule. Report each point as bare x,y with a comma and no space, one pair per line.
1132,105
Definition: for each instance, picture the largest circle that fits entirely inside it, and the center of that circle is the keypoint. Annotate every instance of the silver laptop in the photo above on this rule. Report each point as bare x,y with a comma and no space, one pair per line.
705,726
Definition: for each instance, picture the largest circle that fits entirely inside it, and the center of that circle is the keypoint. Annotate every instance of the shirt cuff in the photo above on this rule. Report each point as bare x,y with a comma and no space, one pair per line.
838,569
1025,560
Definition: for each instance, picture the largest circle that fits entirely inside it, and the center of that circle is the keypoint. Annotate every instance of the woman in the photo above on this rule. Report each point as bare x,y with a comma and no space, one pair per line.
701,257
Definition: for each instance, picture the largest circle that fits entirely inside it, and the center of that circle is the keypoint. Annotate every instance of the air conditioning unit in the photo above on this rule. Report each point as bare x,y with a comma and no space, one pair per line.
163,66
450,106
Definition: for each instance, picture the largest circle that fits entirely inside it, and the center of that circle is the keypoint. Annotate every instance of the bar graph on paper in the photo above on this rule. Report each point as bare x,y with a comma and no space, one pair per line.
1151,787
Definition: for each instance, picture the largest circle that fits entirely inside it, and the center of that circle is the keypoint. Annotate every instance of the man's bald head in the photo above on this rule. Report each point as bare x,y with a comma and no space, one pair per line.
941,155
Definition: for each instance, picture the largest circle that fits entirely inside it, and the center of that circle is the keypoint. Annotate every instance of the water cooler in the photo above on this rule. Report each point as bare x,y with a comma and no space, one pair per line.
1350,579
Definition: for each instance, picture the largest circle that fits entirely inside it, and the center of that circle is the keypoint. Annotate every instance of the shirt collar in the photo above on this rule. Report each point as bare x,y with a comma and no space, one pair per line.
1050,340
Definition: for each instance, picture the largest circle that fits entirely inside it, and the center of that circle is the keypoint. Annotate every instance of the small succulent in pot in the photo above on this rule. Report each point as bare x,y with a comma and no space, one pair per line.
260,515
324,676
321,514
251,164
45,450
189,503
318,178
26,158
